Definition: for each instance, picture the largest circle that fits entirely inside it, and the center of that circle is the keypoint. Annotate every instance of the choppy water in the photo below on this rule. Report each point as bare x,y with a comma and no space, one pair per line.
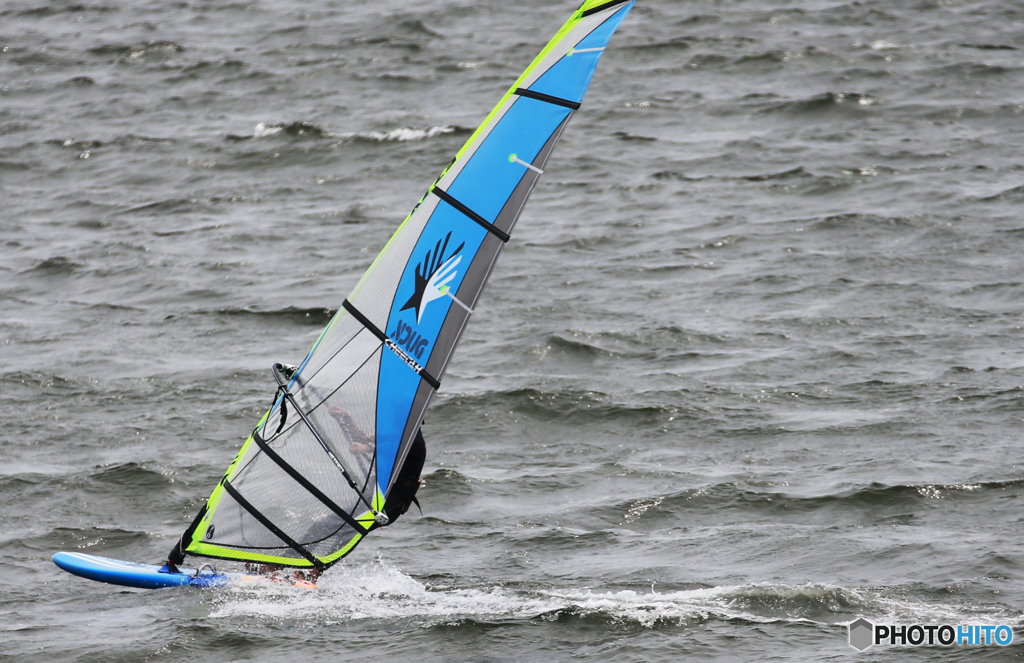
751,367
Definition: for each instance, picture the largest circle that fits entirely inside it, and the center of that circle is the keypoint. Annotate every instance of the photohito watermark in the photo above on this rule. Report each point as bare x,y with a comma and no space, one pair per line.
863,634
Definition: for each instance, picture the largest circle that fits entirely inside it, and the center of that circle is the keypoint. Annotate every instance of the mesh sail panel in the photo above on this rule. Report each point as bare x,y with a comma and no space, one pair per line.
343,417
306,487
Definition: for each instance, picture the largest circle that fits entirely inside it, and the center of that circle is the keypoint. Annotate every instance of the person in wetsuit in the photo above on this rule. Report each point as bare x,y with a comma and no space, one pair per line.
403,491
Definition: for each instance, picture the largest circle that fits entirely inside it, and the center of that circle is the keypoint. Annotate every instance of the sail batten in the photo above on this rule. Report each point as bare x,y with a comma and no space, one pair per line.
306,485
480,221
307,494
548,98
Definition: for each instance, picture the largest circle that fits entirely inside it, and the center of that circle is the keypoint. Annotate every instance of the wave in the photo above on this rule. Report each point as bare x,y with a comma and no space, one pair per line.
971,70
1012,194
79,144
55,266
852,14
135,475
589,347
410,33
100,479
699,19
292,129
568,406
875,499
625,135
792,173
989,47
316,316
674,44
858,222
138,50
416,27
290,315
94,540
674,175
775,57
576,349
169,206
49,383
59,8
310,130
353,215
376,591
403,134
824,102
448,483
797,180
746,64
958,112
645,343
707,60
15,166
78,81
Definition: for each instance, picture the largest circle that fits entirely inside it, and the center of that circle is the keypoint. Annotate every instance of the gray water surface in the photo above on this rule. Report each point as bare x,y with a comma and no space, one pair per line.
751,367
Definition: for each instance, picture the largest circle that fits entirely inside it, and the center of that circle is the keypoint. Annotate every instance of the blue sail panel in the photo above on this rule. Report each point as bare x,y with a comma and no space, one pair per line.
447,245
445,249
399,385
489,177
570,77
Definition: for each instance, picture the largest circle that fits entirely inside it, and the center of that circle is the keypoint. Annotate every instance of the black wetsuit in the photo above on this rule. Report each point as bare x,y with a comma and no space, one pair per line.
403,492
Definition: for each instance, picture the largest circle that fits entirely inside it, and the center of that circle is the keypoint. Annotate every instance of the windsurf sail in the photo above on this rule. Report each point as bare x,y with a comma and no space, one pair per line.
312,479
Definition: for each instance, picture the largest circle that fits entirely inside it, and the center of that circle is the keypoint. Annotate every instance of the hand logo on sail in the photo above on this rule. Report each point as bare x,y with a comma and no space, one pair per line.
439,283
434,273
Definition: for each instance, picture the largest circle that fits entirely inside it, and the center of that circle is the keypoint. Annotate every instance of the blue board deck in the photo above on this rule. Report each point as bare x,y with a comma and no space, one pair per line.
145,576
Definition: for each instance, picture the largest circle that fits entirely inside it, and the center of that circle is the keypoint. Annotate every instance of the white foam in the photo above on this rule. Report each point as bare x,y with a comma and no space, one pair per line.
262,130
377,591
405,134
374,591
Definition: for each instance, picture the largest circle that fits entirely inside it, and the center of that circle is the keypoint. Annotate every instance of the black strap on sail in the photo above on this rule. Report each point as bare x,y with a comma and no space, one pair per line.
601,8
177,555
305,483
278,532
481,221
375,330
547,98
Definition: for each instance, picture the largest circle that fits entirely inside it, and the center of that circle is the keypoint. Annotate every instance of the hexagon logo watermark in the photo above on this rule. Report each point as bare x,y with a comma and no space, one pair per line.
861,634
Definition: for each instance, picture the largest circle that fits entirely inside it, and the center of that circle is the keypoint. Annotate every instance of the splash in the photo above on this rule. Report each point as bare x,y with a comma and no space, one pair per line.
404,134
376,591
262,130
